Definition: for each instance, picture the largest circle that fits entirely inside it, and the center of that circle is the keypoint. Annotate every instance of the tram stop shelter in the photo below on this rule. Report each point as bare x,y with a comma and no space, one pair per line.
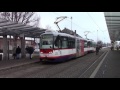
113,24
17,30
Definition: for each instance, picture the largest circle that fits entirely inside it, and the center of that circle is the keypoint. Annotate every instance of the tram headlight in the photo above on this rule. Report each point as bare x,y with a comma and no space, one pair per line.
50,52
41,52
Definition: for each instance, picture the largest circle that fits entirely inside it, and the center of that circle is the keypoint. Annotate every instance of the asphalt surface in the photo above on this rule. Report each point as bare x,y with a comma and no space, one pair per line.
7,64
78,68
110,67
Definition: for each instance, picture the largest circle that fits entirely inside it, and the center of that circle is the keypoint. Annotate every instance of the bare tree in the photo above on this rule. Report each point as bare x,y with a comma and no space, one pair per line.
48,27
21,17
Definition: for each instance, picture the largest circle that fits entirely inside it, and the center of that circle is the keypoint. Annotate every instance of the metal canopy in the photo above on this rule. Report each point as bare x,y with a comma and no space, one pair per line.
12,28
113,24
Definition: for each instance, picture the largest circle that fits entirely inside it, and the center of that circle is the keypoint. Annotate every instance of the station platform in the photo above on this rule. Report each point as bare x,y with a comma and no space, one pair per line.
110,67
7,64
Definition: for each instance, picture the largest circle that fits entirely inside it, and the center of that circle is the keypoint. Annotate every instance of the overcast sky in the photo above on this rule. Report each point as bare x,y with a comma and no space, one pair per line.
81,22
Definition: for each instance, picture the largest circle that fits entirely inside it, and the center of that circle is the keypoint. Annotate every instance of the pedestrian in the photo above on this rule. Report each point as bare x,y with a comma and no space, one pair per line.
30,50
97,49
112,46
18,51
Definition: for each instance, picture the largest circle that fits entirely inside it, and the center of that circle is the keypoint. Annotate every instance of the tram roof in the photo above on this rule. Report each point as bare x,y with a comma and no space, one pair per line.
61,34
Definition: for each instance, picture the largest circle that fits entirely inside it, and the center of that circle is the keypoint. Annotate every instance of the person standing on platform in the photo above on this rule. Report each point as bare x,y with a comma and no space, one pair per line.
18,51
97,49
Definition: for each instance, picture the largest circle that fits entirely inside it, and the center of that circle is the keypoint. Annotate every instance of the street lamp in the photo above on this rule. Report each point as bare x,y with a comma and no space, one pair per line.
71,23
97,36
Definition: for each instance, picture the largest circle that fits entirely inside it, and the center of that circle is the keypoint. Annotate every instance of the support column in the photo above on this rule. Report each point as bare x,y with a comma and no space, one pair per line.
15,43
34,43
34,39
5,47
10,43
23,54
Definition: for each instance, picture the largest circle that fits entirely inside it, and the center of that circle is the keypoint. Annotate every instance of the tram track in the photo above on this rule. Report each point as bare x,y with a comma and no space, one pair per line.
51,71
64,69
75,70
92,67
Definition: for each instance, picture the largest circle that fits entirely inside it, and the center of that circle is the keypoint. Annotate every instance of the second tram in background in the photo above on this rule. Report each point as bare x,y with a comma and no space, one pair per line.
58,47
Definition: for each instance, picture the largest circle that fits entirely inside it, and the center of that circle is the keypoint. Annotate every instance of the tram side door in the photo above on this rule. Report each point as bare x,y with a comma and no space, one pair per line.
82,47
78,48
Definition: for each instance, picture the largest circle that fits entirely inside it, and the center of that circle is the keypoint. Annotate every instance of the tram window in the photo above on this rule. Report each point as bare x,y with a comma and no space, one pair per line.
64,41
56,39
64,44
78,44
85,43
71,43
89,44
45,43
57,43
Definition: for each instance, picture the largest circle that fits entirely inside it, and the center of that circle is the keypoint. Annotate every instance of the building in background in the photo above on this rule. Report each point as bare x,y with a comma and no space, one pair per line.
68,31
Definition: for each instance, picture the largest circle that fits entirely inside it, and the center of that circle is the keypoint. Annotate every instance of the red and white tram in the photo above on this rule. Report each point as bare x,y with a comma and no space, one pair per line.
91,45
58,47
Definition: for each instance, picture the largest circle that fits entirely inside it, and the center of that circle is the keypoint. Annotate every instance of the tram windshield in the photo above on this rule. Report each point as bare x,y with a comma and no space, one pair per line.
46,41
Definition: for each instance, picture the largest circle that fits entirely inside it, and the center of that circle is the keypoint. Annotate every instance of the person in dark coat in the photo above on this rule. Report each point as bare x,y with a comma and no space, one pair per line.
18,51
97,49
30,50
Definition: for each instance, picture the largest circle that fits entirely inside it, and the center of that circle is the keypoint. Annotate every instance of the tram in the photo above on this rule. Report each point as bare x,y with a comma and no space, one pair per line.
57,47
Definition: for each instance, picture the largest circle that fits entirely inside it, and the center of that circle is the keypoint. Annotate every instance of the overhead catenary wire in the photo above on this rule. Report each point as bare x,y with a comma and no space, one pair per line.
72,22
94,21
69,20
